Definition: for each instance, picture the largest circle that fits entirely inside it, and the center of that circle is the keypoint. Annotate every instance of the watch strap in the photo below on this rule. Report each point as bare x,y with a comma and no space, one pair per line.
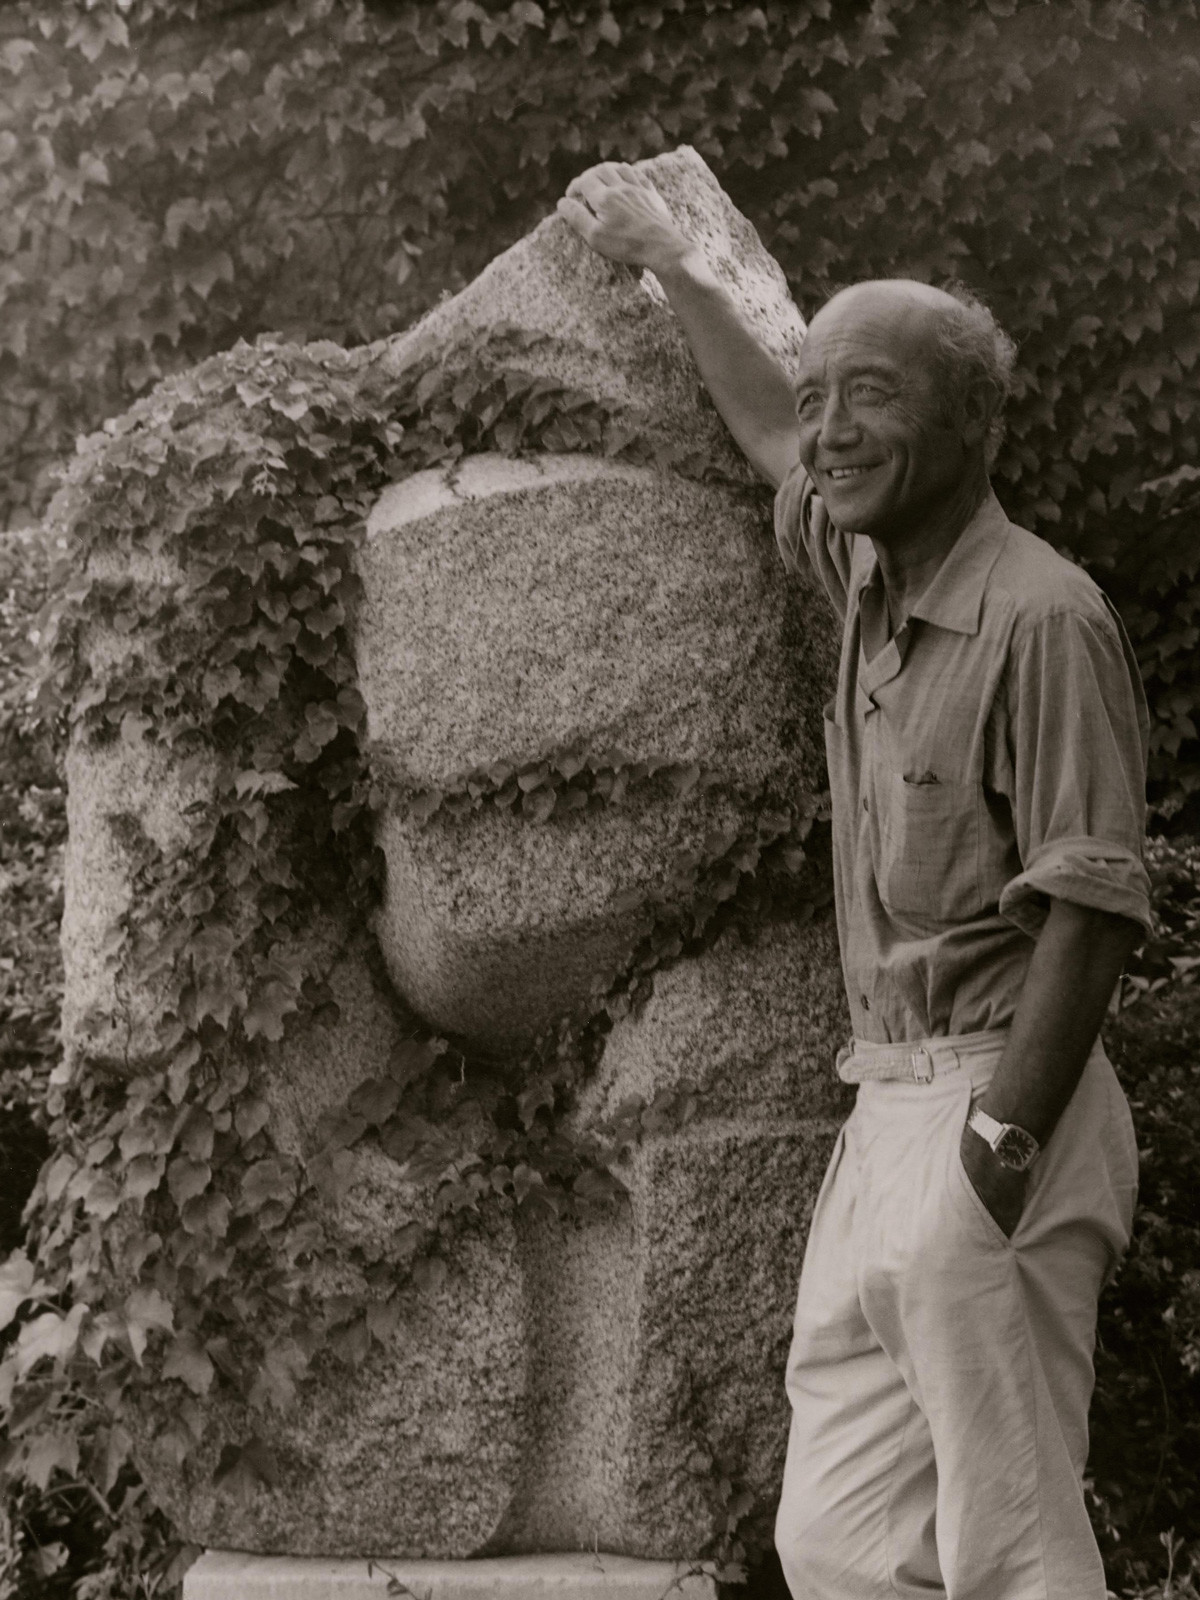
1016,1147
986,1127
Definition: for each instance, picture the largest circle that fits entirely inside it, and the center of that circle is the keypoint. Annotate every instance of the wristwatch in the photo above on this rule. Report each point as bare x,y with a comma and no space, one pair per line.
1014,1147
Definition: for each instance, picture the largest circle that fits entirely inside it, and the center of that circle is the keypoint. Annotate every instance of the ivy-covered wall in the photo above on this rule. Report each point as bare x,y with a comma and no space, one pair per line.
179,173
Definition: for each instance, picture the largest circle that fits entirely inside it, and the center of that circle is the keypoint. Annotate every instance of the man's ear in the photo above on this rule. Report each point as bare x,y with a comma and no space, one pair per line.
979,401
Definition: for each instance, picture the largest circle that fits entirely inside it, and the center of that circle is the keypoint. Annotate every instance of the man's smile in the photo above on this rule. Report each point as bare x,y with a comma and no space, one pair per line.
840,474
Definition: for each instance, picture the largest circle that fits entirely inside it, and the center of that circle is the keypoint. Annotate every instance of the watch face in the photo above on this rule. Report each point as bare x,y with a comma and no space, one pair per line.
1015,1148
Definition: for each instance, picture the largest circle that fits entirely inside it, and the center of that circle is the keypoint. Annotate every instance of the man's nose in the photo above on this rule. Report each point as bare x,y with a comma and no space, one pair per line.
838,427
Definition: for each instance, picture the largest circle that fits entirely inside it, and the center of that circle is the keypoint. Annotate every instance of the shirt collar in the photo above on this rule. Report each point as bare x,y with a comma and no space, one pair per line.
954,597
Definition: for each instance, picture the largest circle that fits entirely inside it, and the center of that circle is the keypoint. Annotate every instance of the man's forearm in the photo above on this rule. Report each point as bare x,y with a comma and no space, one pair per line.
1074,967
616,209
748,386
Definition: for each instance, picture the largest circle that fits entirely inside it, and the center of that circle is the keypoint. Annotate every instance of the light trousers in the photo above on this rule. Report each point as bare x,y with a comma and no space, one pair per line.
940,1373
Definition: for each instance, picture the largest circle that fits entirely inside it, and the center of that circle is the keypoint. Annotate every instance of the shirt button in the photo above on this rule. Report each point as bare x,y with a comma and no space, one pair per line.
866,807
864,1002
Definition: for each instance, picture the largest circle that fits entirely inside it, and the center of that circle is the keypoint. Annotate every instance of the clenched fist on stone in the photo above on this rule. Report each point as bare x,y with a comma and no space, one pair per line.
616,209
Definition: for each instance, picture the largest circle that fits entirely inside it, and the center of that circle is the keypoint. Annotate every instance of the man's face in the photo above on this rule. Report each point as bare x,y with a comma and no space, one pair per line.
876,435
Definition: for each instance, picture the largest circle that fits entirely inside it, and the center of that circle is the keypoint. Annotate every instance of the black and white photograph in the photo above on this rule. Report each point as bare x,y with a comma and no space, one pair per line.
599,800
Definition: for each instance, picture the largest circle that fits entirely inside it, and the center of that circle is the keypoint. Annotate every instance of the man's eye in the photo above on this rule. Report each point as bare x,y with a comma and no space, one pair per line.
807,403
868,391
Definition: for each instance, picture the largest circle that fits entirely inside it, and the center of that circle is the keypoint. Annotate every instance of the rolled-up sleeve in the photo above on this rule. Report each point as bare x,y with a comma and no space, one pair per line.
1077,734
803,531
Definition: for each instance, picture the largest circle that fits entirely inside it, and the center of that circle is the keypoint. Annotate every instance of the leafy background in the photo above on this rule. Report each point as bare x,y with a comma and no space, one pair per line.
179,174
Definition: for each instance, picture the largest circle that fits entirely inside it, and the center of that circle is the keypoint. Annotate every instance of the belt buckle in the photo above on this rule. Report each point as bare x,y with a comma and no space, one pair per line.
922,1066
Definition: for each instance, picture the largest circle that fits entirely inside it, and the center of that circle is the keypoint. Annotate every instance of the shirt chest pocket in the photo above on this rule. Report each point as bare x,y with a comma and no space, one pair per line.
929,829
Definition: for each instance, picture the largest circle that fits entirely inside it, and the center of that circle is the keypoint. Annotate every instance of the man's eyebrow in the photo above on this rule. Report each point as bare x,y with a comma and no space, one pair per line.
865,369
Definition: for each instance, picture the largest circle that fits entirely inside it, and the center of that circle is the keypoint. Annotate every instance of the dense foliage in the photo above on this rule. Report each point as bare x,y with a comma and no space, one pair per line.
32,829
175,174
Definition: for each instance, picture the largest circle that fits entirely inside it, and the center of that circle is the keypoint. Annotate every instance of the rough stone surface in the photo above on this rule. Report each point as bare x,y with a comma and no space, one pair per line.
118,794
414,1452
596,1575
517,606
752,1027
315,1070
608,330
663,1332
512,605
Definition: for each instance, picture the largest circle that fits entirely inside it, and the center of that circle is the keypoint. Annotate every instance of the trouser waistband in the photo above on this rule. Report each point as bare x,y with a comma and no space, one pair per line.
921,1060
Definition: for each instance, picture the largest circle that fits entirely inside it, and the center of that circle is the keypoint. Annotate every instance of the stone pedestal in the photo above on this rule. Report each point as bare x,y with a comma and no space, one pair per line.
229,1575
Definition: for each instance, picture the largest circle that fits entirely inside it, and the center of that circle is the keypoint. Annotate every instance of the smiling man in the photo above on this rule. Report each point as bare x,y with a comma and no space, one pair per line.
986,748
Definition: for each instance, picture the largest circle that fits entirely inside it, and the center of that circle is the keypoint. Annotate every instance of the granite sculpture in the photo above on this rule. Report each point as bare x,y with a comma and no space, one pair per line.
564,1388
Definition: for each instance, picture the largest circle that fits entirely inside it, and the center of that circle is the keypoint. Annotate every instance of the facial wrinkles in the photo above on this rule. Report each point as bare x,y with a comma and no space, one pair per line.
868,387
874,429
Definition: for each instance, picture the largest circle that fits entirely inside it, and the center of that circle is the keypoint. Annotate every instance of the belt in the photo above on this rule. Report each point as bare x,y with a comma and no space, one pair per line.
861,1061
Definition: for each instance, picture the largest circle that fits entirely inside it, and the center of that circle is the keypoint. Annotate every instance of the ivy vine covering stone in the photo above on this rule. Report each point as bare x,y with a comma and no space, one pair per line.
450,986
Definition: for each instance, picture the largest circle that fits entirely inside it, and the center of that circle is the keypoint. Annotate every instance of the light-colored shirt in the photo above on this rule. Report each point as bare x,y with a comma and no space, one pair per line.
990,755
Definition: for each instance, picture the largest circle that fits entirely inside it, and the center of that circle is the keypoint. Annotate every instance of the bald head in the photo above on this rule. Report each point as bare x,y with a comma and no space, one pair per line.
897,296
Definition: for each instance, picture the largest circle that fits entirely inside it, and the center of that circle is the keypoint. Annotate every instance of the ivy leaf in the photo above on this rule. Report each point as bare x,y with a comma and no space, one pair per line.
50,1452
597,1187
58,1175
187,1178
51,1558
265,1181
333,1172
375,1100
264,1017
255,784
539,804
101,1196
628,900
187,1360
525,1179
50,1336
18,1283
341,1128
534,778
143,1175
539,1095
423,806
283,1363
242,1469
145,1309
196,1135
216,997
251,1117
412,1058
322,723
206,1213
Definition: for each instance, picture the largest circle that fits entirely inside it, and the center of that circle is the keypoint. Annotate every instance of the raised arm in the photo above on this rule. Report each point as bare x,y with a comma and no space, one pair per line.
619,213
